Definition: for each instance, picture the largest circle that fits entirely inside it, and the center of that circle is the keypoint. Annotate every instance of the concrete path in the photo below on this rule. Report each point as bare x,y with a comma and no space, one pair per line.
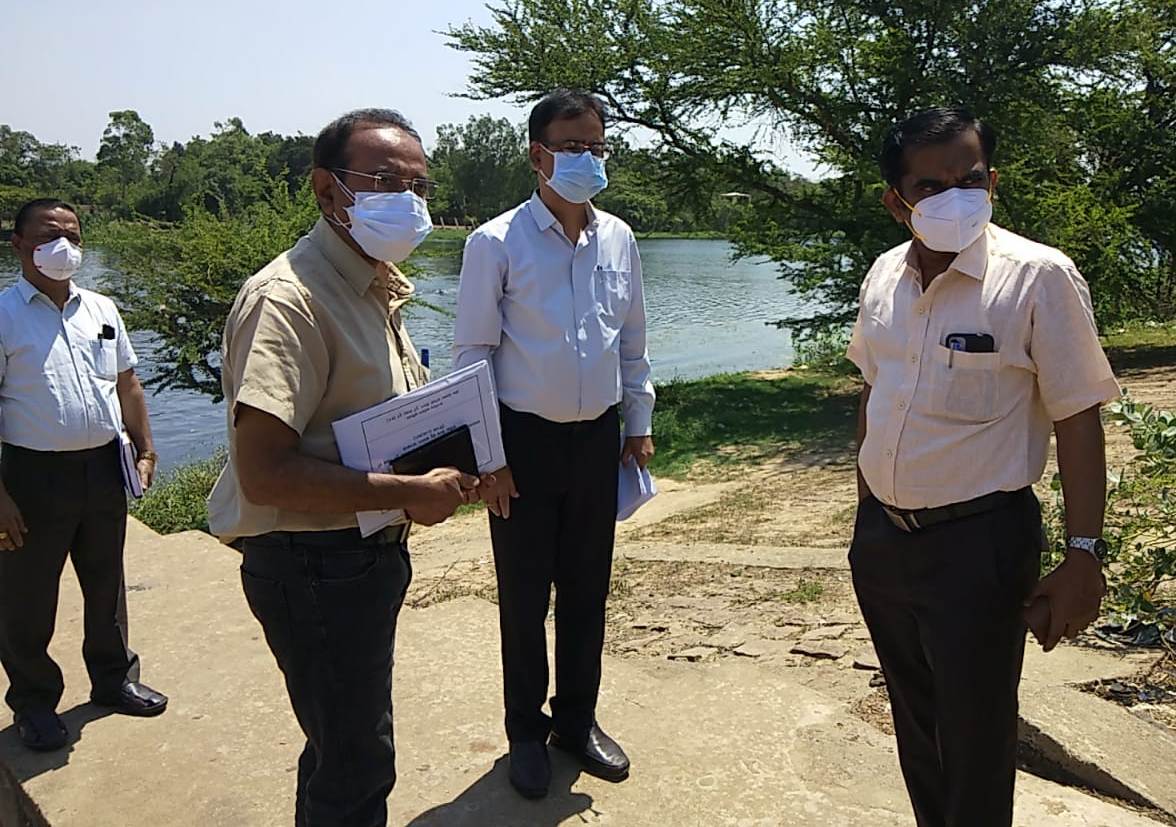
732,742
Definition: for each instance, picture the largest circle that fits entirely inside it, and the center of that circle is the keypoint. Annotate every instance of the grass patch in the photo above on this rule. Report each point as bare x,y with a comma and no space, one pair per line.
806,591
730,419
176,502
1141,346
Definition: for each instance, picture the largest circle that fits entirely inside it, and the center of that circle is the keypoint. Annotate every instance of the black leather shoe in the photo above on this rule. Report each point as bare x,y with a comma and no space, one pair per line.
600,755
137,699
530,768
41,730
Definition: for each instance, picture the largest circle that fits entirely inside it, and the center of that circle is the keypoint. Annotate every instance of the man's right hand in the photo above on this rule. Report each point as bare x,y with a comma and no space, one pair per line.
439,493
12,525
497,490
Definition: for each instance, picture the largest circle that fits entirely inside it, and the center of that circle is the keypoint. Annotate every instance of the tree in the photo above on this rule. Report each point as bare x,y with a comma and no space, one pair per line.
481,167
125,149
833,76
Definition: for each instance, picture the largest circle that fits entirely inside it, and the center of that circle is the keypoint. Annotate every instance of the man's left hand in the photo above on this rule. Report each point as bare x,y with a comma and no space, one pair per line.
639,448
146,468
1075,591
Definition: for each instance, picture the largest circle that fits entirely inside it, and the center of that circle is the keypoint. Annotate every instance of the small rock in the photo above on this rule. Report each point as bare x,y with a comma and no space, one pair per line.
641,643
867,659
824,633
694,654
821,649
753,649
728,639
877,680
652,624
840,619
859,633
783,632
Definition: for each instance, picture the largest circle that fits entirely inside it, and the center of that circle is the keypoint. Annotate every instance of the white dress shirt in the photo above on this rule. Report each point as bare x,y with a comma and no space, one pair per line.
58,375
944,426
562,323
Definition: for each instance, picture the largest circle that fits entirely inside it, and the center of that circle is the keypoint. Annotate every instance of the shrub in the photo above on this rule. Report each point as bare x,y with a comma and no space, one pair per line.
176,502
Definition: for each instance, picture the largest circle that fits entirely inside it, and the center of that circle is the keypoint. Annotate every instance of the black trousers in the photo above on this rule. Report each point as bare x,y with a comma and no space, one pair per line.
328,603
560,532
74,504
943,607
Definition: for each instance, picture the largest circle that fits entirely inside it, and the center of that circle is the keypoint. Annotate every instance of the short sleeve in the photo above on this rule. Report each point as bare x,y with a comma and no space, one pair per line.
858,351
277,356
126,353
1073,373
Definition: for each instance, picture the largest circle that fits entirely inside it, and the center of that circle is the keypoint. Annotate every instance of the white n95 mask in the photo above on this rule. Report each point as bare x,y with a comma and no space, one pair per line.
950,221
58,259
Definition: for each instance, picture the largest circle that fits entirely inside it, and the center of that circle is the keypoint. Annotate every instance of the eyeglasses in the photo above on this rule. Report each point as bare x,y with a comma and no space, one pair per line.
600,149
426,188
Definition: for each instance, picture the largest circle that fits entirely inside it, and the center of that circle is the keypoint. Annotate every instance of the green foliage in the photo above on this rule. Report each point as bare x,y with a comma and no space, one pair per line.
806,591
124,151
1082,94
1140,521
760,415
176,502
482,169
180,281
824,350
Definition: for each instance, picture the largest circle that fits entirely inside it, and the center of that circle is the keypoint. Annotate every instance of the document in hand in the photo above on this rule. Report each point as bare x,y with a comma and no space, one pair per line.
130,469
635,487
372,440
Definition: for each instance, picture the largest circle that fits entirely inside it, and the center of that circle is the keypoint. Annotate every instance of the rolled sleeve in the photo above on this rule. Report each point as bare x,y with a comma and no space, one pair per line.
479,294
279,358
858,351
1073,373
637,393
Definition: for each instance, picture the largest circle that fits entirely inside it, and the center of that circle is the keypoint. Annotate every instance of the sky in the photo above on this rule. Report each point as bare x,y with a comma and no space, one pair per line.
287,67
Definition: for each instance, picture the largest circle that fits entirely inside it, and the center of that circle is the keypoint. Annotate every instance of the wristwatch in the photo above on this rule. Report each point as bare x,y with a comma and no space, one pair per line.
1092,545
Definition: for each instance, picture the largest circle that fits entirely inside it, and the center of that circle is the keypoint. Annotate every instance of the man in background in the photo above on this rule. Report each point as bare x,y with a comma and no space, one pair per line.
551,295
67,392
974,344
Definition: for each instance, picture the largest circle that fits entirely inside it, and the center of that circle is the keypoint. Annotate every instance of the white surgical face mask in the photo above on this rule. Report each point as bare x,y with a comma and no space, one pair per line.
387,226
951,220
577,177
58,259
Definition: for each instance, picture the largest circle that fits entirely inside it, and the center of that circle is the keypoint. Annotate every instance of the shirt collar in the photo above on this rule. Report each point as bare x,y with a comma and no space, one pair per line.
28,291
349,264
971,261
545,219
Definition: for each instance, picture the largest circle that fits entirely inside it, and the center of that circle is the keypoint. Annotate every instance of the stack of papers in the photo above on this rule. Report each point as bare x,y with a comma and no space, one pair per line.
635,487
371,440
130,469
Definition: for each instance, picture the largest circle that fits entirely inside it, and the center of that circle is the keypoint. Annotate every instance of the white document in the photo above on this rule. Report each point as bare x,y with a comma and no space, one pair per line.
130,468
370,440
635,487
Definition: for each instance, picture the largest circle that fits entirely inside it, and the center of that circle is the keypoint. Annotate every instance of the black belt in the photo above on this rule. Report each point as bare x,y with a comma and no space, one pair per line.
920,518
391,535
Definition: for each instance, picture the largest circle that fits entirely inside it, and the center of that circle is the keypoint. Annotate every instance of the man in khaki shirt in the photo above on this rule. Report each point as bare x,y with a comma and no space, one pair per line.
315,336
974,344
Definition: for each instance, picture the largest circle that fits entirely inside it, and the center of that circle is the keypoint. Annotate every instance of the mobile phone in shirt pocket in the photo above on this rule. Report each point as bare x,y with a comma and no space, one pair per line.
614,290
965,386
106,359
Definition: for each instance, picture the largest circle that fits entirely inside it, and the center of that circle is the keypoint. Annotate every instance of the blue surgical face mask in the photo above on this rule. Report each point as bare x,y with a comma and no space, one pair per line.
578,177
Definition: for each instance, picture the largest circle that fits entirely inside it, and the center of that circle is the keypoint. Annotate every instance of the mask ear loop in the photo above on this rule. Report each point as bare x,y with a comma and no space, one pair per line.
331,218
912,208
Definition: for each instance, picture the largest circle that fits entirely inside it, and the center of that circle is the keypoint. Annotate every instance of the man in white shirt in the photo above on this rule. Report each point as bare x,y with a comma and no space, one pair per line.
67,391
974,344
551,295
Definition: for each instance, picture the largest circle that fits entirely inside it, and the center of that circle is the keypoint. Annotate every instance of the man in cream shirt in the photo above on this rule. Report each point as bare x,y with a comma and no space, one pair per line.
315,336
974,344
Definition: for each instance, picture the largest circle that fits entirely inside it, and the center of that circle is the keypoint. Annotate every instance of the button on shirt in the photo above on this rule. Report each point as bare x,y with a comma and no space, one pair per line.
946,426
58,374
317,335
562,323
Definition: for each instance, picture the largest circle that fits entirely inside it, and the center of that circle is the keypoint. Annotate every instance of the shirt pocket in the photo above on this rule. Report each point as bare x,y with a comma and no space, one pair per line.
614,291
965,386
106,359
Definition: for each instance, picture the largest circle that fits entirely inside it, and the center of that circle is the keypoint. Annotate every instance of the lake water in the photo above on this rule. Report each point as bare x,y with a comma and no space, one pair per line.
706,313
